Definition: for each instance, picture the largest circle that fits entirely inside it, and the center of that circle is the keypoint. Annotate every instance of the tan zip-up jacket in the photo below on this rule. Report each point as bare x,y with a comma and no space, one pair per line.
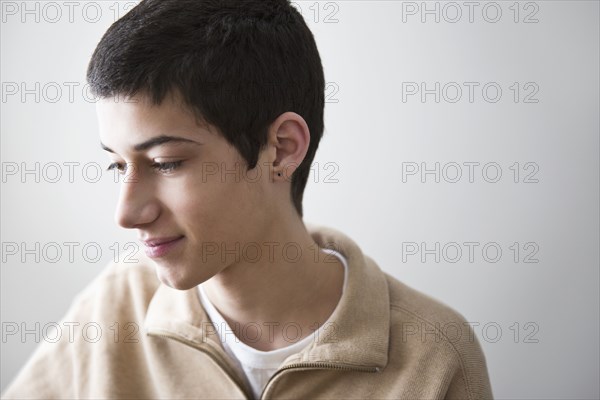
127,336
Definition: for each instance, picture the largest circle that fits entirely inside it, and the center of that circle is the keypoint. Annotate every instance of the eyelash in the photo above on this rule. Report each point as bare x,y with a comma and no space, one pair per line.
164,167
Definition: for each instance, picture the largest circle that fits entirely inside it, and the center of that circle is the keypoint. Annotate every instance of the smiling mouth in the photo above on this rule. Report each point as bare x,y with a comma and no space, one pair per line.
159,247
160,241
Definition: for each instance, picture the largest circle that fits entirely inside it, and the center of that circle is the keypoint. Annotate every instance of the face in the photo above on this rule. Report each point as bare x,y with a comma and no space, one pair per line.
184,188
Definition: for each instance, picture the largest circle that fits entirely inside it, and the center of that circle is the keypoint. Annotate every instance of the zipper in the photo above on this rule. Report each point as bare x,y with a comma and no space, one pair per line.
207,349
317,365
212,353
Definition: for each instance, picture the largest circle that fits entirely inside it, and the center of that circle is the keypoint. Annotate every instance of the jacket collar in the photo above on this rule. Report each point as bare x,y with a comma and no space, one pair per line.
358,336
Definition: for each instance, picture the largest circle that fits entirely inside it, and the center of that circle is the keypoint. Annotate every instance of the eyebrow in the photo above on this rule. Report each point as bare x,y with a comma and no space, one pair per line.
155,141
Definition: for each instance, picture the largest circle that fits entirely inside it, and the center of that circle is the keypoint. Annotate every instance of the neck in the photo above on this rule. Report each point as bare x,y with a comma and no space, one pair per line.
290,283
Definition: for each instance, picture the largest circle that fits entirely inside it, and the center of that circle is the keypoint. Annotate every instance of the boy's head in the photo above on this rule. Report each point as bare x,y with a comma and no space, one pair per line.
237,65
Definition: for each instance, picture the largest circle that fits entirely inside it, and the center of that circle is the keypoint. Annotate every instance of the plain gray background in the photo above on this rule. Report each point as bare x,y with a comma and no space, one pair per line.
538,322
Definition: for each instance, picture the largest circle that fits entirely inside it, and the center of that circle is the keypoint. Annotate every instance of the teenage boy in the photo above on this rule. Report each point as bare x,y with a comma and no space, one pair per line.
213,112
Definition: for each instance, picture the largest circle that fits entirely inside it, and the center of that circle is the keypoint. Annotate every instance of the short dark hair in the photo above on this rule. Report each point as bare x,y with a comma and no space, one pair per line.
238,65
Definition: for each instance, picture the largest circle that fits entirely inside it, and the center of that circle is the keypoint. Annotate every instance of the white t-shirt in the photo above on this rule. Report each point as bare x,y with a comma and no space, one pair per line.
258,366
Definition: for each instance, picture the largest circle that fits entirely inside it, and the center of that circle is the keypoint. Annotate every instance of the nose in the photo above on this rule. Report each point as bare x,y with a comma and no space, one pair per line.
137,204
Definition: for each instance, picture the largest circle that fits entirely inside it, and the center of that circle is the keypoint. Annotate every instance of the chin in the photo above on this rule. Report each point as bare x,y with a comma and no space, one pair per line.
175,279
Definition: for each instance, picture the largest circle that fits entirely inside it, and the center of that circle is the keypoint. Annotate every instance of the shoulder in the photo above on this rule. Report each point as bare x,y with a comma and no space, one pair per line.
419,314
124,288
100,329
429,332
416,305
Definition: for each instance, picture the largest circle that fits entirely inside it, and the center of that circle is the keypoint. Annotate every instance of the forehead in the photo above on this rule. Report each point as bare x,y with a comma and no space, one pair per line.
126,121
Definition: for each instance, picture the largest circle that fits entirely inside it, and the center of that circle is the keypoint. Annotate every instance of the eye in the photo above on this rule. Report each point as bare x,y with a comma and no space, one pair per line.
121,168
167,167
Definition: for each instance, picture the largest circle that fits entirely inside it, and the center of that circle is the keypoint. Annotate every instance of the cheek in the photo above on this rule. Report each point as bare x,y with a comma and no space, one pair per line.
215,207
209,209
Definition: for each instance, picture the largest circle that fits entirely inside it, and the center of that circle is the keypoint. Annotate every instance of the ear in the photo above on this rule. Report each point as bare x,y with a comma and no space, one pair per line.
290,136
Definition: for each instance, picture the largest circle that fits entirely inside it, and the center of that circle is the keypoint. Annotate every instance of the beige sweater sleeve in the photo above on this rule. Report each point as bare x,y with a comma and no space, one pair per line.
90,343
471,380
52,371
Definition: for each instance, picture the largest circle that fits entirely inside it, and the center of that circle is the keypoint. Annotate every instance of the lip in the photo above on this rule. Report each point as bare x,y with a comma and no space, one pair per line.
159,247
